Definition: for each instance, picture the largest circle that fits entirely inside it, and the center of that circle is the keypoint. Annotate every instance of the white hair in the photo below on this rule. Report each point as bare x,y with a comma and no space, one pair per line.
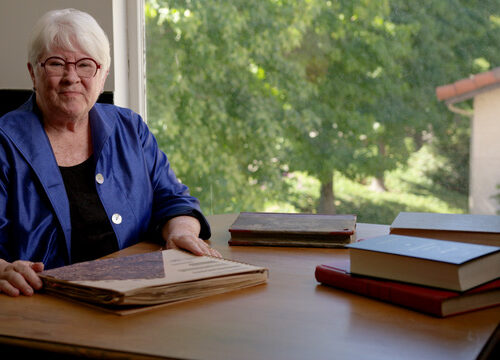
69,29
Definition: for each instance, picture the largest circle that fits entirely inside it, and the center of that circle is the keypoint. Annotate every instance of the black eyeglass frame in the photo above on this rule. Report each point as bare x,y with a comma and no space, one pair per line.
98,66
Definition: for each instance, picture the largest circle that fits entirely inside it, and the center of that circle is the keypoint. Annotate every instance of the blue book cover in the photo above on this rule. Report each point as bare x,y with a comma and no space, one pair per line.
430,249
444,264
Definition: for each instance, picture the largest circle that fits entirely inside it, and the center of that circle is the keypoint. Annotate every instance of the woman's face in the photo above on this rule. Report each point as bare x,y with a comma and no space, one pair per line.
66,96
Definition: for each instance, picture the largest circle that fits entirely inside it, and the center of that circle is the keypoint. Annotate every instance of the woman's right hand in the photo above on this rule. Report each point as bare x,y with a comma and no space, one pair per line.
20,277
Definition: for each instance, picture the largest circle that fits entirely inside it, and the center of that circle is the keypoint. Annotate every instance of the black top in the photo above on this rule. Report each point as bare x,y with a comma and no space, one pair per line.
92,235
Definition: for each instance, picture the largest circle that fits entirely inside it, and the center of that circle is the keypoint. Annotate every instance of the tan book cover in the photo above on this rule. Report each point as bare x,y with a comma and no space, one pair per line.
293,229
131,283
470,228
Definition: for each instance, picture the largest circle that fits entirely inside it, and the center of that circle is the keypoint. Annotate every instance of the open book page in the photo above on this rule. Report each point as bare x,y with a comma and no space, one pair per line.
148,270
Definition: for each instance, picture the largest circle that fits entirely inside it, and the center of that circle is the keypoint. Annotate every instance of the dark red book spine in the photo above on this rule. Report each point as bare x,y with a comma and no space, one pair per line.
414,297
421,298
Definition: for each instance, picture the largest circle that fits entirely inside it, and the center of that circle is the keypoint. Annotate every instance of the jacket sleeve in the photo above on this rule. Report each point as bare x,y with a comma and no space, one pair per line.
171,198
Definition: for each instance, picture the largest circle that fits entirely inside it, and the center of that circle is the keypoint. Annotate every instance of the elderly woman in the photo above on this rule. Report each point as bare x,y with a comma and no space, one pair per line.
79,180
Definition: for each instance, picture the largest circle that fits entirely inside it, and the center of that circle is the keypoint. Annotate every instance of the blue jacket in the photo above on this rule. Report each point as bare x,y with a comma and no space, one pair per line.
133,179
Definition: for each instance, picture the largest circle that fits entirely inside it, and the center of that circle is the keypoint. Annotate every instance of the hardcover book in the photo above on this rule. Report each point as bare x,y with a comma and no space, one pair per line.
293,229
471,228
432,301
132,283
443,264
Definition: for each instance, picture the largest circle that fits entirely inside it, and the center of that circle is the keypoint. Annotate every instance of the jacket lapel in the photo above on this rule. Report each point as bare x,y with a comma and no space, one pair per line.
33,143
101,125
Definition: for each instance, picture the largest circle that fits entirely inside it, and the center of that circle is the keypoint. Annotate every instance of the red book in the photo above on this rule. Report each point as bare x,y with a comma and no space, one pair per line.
428,300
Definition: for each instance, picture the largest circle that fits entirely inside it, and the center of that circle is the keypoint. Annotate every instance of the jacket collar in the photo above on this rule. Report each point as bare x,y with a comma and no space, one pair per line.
101,125
31,138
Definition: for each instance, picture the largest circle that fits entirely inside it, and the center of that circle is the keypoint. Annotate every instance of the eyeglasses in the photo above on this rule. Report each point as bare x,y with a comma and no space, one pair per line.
85,67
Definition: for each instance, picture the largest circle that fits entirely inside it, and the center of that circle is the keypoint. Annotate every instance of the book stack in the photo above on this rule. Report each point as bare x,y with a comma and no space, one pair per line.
293,229
437,277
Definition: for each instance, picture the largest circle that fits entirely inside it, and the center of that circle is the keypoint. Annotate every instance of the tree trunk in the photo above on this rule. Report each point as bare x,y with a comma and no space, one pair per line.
327,197
378,183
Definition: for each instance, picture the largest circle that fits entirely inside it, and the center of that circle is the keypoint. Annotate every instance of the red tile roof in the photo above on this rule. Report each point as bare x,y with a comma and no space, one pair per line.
471,84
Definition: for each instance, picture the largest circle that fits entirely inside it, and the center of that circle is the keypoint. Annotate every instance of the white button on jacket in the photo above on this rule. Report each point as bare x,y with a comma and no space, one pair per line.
116,218
99,178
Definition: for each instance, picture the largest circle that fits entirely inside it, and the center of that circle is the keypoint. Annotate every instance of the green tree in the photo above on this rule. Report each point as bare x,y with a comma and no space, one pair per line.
242,92
217,84
375,66
452,40
352,55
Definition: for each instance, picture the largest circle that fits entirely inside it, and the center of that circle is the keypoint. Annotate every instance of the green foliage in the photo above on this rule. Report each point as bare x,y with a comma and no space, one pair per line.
454,39
351,57
452,168
411,189
241,94
215,103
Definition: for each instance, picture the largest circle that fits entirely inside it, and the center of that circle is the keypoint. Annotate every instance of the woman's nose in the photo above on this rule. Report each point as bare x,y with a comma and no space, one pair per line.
70,72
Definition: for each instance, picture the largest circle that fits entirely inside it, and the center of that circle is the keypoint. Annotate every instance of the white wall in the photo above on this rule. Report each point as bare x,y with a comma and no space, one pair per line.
122,21
485,158
17,18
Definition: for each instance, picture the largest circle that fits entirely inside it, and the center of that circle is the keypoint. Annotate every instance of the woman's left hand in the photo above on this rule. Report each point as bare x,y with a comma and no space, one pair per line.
181,232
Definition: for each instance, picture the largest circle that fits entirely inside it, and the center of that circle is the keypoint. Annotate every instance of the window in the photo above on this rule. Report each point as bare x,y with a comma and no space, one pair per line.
317,106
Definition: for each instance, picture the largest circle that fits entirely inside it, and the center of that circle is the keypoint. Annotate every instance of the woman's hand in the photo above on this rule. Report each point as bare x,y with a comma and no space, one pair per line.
181,232
19,277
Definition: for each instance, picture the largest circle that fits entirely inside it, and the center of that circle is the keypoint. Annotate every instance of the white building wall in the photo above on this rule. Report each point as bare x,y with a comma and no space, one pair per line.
485,157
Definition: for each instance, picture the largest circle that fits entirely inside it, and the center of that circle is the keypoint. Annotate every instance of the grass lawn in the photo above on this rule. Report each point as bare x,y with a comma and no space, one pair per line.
409,189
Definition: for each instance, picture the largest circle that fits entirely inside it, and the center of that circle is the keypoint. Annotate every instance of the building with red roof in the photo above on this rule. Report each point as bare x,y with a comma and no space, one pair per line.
484,90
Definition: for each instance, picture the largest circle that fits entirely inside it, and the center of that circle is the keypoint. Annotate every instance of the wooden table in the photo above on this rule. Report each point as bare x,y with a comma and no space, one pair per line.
291,317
